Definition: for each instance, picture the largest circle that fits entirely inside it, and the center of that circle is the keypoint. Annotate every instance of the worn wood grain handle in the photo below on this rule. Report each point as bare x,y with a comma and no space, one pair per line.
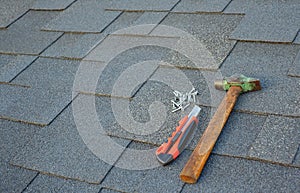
193,168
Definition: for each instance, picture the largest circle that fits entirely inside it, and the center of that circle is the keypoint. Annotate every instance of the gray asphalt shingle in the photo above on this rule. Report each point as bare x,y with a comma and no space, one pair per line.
50,74
14,179
295,69
132,55
165,178
209,30
123,180
135,23
127,179
155,180
24,36
244,6
31,105
297,39
105,190
58,149
10,11
278,141
132,118
48,70
14,136
74,46
125,20
239,134
150,18
136,5
297,158
120,44
182,80
241,175
77,19
79,187
98,75
269,63
44,183
59,75
193,6
269,23
11,66
51,4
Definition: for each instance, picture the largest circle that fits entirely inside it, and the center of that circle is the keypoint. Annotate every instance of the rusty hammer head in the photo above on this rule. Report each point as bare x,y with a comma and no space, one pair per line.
247,84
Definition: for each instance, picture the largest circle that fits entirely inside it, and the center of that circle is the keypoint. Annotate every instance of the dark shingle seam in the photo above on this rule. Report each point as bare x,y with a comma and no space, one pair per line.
258,160
115,162
227,56
64,108
23,70
164,17
297,34
17,19
226,6
30,182
51,43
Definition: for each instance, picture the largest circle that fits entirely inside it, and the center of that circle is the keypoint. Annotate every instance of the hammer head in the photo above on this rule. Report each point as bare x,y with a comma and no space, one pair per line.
247,84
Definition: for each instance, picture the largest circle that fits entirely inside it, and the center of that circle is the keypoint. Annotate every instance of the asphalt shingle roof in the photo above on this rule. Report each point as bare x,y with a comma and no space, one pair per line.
77,75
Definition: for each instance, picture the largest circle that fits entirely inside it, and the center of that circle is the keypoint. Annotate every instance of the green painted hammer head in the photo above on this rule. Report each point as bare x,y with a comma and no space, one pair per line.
247,84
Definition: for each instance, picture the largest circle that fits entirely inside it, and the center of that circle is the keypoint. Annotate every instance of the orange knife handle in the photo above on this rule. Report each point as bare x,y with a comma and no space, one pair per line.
193,168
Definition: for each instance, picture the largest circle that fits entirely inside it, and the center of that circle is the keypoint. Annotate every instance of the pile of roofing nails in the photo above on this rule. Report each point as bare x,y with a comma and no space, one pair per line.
183,100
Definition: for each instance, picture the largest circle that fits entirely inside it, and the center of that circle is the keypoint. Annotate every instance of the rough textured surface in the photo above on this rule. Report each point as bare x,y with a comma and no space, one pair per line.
239,134
79,187
271,23
61,74
165,179
31,105
51,4
131,55
122,179
125,20
294,71
74,46
269,63
136,5
45,70
125,179
24,36
201,6
58,149
10,11
14,179
239,175
77,19
210,31
14,136
297,39
297,158
137,115
98,75
244,6
150,18
135,22
278,140
43,183
11,66
104,190
121,44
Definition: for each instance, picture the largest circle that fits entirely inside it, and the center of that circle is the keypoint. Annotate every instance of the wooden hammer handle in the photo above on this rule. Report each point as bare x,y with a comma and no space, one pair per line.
193,168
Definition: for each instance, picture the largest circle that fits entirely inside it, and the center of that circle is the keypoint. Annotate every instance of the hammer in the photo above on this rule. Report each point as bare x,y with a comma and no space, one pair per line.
234,85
